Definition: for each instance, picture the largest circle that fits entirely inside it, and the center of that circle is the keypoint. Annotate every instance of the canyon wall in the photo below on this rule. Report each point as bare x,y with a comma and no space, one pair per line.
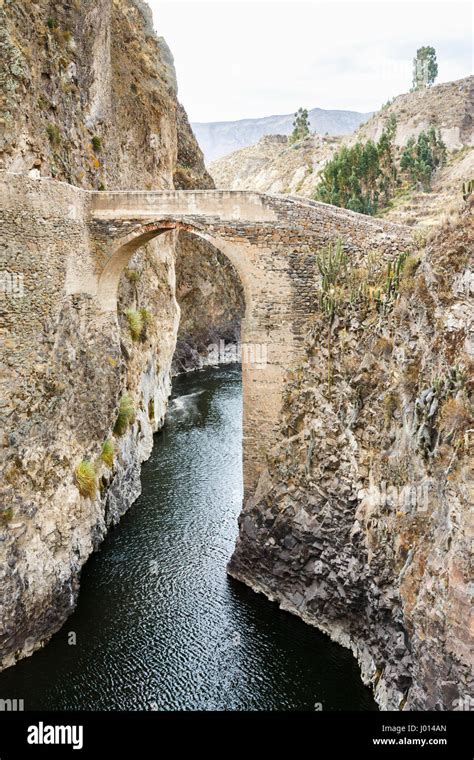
89,98
361,523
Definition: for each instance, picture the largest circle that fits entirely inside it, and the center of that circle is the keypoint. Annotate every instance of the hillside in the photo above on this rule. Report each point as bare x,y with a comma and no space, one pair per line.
448,106
274,166
217,139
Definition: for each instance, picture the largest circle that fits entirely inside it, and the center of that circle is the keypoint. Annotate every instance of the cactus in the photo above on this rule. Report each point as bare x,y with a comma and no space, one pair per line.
467,189
331,263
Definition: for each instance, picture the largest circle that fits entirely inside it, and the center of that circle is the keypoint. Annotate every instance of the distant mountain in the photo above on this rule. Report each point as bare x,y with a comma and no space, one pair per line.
219,138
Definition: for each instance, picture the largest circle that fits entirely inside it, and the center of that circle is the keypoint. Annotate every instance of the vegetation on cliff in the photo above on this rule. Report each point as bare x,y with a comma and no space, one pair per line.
364,177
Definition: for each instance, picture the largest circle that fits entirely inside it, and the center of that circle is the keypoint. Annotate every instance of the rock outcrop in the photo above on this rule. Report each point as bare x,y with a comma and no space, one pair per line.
448,106
275,166
361,525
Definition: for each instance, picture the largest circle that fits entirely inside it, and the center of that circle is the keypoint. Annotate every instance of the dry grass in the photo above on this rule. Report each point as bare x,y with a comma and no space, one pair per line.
390,403
126,415
455,417
411,377
86,479
383,346
107,453
135,323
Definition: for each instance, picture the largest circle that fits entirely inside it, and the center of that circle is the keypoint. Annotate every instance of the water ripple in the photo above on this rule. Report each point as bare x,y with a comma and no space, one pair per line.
159,624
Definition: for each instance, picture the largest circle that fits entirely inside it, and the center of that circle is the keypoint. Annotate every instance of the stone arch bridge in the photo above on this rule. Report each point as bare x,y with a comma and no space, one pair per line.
271,241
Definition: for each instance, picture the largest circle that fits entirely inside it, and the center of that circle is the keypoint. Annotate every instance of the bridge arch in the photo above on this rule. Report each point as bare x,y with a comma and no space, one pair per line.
265,351
272,242
109,278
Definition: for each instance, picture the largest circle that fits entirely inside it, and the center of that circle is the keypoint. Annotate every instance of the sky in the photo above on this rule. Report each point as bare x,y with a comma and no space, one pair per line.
238,59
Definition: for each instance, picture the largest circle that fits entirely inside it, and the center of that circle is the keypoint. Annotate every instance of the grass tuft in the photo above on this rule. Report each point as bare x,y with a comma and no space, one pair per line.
135,323
107,453
86,479
54,134
6,515
132,275
126,415
96,144
151,409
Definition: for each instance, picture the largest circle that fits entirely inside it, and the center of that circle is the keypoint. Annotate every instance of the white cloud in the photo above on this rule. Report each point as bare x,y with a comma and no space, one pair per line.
254,58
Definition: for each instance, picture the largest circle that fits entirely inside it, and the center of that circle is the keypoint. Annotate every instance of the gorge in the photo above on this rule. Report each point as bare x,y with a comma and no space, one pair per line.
356,431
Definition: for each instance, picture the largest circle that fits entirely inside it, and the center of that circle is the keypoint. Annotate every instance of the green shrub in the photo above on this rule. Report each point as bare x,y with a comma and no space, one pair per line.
151,409
6,515
97,143
362,177
126,415
86,479
132,275
52,23
107,453
422,157
54,134
135,323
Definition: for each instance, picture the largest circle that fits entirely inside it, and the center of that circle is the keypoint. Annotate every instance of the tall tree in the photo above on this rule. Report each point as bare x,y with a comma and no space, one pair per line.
425,67
420,159
300,125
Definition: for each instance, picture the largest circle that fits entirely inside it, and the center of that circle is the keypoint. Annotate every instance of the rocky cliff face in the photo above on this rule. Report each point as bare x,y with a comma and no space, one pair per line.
90,98
361,523
448,106
211,299
90,94
271,165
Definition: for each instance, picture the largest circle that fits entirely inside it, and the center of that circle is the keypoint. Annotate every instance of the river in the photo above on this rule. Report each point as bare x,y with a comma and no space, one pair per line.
159,625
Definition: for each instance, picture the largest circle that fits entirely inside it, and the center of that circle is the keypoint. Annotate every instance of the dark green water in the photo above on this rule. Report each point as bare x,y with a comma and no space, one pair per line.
159,625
